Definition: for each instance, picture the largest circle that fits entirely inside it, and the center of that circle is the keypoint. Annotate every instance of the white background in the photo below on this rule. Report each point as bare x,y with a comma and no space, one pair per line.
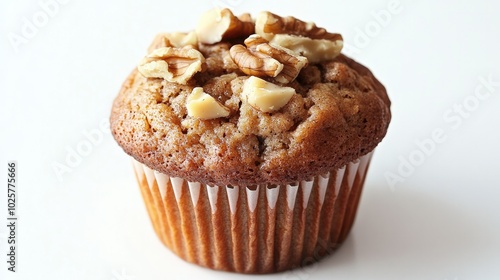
439,220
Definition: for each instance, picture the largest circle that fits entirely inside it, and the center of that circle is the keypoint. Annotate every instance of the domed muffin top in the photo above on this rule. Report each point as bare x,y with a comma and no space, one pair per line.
242,101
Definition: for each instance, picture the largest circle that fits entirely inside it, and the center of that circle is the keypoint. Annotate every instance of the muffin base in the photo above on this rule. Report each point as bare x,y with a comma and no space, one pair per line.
256,229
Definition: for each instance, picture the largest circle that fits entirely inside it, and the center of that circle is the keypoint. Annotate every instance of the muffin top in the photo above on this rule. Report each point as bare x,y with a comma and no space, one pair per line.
246,101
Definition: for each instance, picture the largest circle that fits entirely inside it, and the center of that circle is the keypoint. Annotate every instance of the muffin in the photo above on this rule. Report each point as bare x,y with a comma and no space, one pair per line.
250,139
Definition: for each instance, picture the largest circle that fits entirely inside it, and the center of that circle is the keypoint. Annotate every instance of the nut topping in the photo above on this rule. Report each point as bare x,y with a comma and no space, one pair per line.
246,17
175,39
280,49
264,96
172,64
302,37
260,58
268,24
255,63
218,24
203,106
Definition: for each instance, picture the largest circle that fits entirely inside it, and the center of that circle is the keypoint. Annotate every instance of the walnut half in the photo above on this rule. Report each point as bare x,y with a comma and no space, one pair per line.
305,38
172,64
259,58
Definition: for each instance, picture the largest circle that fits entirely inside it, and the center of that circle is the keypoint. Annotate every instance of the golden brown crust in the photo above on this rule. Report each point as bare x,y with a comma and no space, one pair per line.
340,113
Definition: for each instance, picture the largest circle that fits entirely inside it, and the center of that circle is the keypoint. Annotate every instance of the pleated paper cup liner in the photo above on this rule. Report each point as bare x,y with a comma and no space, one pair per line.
256,229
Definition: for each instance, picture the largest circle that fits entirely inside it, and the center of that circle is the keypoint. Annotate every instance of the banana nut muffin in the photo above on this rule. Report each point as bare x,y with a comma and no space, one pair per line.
242,103
339,113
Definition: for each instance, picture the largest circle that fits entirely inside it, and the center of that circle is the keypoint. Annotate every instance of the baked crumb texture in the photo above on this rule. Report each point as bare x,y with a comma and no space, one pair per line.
339,113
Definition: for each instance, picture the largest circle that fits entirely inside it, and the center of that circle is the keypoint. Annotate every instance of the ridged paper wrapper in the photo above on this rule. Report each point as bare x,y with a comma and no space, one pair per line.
255,229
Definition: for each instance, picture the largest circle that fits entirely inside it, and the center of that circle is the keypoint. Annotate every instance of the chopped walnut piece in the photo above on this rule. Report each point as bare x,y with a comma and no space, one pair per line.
262,59
305,38
218,24
246,17
172,64
175,39
203,106
265,96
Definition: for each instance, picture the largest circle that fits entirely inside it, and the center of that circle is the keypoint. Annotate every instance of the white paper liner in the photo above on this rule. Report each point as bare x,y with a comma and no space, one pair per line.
260,230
